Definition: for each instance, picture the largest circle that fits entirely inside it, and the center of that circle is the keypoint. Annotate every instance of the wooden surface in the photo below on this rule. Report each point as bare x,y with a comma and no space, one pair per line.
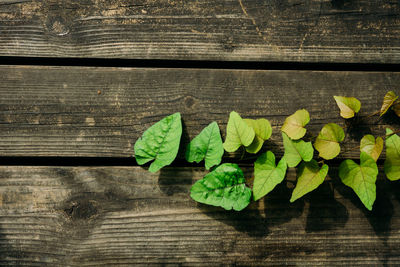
356,31
100,112
59,126
91,216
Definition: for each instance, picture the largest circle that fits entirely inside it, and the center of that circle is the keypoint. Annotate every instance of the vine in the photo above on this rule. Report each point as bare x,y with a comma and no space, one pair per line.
225,185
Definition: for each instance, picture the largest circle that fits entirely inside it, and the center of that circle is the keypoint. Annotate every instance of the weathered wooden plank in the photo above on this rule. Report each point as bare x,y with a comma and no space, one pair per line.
92,216
250,30
100,112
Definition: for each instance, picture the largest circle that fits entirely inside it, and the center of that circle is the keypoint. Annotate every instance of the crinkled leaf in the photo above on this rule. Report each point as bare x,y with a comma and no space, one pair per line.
361,178
262,129
294,124
371,146
310,176
392,162
327,142
388,101
224,187
348,106
296,150
206,145
237,133
160,143
267,175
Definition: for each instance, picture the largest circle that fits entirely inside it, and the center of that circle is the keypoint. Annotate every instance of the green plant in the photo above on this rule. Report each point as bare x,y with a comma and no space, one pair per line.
225,185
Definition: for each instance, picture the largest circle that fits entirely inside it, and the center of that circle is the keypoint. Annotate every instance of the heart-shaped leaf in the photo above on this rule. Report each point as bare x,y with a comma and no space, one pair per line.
294,124
310,176
267,175
224,187
392,162
361,178
237,133
160,143
206,145
371,146
388,101
348,106
327,142
296,150
262,129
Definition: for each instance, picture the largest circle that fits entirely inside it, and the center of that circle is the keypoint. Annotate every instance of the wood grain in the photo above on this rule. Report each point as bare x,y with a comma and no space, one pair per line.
353,31
100,112
92,216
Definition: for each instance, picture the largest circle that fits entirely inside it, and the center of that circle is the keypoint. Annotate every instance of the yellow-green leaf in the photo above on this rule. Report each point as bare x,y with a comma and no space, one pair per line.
294,124
237,133
296,151
267,175
262,129
310,176
361,178
327,142
392,162
371,146
388,101
348,106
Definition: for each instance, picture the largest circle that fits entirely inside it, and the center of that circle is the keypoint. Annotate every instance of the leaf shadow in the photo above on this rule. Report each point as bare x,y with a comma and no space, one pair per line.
325,212
357,127
185,140
383,209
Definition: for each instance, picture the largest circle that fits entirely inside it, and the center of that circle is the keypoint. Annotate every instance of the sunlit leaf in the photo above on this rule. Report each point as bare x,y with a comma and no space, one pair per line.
388,101
348,106
392,162
237,133
296,150
371,146
294,124
206,145
263,131
224,187
267,175
160,143
310,176
361,178
327,142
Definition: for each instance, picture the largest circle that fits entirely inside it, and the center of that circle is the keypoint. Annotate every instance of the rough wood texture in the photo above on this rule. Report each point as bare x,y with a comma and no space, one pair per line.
100,112
251,30
83,216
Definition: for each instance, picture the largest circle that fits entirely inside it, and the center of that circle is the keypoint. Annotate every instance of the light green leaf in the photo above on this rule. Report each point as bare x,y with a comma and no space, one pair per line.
310,176
392,162
237,133
206,145
348,106
267,175
296,150
371,146
327,142
160,143
224,187
388,101
361,178
262,129
294,124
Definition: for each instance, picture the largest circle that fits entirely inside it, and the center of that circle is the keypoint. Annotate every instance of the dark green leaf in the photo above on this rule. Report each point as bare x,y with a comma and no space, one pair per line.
224,187
207,145
160,143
